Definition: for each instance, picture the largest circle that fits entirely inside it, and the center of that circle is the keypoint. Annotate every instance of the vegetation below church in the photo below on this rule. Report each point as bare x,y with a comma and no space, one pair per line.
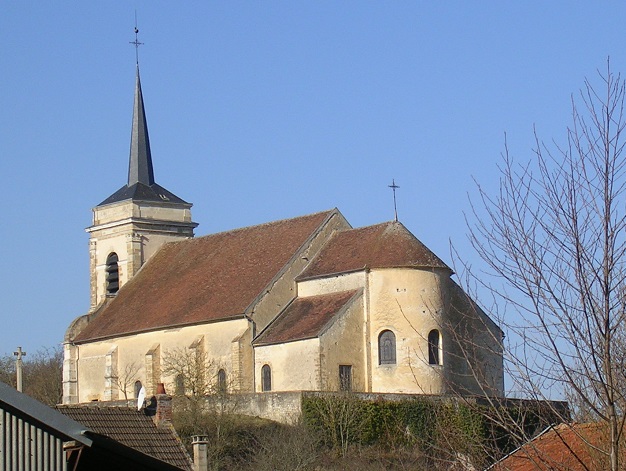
42,374
345,432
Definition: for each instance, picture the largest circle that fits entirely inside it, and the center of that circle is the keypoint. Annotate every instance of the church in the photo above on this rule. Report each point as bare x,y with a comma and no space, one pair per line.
301,304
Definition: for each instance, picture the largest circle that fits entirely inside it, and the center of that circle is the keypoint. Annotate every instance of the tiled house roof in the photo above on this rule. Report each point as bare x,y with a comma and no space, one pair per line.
131,428
387,245
204,279
575,447
305,318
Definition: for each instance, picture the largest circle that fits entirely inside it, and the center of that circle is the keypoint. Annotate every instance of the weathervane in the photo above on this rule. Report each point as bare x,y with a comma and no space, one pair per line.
136,41
393,186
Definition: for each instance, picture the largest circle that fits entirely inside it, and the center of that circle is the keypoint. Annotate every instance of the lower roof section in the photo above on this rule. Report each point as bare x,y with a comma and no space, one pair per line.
306,318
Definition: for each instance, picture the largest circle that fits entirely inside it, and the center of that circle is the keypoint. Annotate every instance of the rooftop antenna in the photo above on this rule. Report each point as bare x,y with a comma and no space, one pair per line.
394,187
136,41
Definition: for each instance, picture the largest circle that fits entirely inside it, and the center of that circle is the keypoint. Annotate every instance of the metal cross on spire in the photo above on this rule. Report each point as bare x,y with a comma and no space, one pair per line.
394,187
136,41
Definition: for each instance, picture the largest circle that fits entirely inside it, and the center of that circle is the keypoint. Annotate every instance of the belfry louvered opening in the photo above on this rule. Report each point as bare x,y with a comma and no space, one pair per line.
112,274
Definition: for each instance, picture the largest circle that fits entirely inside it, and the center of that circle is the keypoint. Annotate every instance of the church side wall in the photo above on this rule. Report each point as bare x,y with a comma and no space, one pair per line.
342,344
295,366
140,357
332,284
409,303
479,359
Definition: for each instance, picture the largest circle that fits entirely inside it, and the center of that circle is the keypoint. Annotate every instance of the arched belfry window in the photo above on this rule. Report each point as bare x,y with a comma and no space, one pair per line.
387,348
434,347
266,378
112,274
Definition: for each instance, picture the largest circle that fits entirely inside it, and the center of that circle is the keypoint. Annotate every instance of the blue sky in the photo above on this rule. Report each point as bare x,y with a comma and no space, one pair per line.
265,110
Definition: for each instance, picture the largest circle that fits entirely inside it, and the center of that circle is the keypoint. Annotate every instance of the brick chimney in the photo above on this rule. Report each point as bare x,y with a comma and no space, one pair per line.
163,415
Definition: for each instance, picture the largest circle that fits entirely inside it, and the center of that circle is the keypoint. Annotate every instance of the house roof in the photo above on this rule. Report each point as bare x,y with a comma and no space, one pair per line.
133,429
204,279
304,318
571,447
35,412
386,245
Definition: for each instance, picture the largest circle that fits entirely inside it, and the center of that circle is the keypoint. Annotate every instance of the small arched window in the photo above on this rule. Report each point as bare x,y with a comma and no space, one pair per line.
434,347
221,381
137,388
387,348
112,274
266,378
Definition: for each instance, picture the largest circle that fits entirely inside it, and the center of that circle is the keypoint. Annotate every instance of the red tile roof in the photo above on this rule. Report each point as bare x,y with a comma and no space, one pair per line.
131,428
387,245
566,447
199,280
304,318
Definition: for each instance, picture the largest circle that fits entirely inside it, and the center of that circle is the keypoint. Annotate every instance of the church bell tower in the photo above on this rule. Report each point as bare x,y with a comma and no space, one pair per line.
130,225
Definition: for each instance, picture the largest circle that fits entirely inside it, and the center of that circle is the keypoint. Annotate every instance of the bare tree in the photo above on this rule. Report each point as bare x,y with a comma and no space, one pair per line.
126,378
192,372
555,233
290,448
7,370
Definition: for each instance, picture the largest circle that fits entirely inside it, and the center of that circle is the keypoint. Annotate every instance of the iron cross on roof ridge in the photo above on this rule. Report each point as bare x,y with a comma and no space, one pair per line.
394,187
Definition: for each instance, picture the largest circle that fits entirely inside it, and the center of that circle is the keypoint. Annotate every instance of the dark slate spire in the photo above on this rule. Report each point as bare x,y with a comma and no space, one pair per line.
141,185
140,164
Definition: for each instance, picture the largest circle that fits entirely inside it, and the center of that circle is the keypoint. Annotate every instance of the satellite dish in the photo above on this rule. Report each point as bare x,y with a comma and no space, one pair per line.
141,397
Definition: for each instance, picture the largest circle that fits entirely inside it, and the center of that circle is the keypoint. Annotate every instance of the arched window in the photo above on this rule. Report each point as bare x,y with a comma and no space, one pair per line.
137,388
112,274
387,348
266,378
434,347
221,381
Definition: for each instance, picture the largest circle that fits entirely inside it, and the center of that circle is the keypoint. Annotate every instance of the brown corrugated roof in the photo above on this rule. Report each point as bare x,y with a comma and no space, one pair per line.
131,428
199,280
304,318
571,447
387,245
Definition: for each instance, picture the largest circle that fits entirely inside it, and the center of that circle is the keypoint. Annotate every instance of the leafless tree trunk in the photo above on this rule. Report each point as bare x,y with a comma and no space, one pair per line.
556,234
126,378
192,372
